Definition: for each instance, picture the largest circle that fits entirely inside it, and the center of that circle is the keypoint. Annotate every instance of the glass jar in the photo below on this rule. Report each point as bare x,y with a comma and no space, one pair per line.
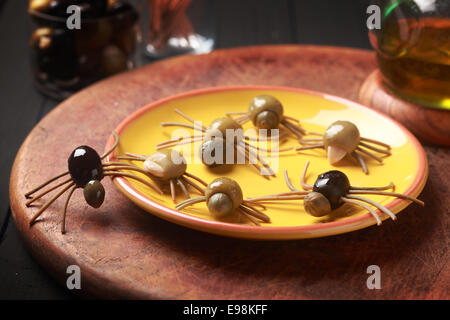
65,60
168,30
413,50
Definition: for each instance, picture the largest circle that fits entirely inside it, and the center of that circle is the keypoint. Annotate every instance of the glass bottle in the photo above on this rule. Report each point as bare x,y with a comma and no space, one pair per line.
413,50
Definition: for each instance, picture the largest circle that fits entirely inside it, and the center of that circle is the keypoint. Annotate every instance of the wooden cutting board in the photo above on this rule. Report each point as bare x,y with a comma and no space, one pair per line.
124,252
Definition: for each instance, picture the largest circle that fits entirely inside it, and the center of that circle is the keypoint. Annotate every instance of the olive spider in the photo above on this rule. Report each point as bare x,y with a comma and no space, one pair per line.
266,112
214,138
223,196
330,191
86,170
167,167
342,138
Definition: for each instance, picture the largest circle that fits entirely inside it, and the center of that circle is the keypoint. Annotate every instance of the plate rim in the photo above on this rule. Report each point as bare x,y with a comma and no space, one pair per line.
265,232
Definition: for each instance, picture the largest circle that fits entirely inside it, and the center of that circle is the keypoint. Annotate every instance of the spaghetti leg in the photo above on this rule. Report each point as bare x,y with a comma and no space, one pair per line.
29,193
63,224
371,211
49,202
375,204
361,162
303,180
116,142
194,185
183,188
288,182
40,195
189,119
172,190
189,202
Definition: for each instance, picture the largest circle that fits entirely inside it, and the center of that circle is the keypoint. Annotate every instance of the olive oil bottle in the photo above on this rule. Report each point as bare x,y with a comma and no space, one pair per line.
422,72
413,50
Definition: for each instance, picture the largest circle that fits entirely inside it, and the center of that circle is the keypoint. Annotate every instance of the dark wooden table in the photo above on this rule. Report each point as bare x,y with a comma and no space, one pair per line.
231,23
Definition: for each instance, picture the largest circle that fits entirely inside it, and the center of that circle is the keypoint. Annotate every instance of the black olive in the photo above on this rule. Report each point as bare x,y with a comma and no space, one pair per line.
119,7
122,16
333,185
40,9
53,53
85,165
58,8
100,6
93,35
123,10
88,65
126,40
88,11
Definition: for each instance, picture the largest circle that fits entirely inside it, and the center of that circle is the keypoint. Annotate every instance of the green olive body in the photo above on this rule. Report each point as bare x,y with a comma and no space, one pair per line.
220,205
166,164
342,134
94,193
214,152
266,112
219,127
316,204
223,196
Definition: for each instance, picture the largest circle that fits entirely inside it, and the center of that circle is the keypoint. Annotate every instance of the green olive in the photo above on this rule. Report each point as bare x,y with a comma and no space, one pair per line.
316,204
113,60
267,120
266,112
94,193
220,205
223,196
219,127
214,152
342,134
166,164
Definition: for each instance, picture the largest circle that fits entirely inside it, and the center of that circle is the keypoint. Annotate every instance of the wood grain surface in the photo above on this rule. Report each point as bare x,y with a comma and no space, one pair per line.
124,252
428,124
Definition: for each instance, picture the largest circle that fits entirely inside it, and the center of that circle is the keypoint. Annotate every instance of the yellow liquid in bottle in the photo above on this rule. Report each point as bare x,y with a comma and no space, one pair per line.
421,72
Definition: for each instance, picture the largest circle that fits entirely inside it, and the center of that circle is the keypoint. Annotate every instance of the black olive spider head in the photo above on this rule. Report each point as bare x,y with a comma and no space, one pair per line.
332,185
86,171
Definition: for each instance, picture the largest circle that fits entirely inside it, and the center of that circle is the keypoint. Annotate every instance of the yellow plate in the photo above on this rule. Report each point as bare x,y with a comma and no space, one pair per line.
406,167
